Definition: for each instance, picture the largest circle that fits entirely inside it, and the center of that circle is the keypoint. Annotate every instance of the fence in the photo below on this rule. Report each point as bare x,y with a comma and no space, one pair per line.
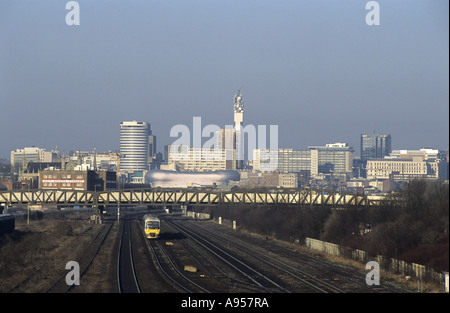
200,216
421,272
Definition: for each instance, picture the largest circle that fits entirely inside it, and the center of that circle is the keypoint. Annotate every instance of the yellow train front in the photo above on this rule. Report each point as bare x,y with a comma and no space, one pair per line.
151,226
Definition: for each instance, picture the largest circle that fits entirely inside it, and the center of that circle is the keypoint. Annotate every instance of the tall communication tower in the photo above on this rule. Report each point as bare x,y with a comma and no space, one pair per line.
238,110
238,120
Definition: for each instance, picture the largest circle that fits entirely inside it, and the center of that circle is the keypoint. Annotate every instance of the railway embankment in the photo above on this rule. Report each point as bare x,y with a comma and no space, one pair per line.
37,251
300,225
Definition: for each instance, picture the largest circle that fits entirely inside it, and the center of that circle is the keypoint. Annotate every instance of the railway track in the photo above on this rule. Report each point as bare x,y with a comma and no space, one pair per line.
128,271
226,263
304,277
255,277
217,272
127,281
171,271
162,260
23,284
58,285
327,276
85,260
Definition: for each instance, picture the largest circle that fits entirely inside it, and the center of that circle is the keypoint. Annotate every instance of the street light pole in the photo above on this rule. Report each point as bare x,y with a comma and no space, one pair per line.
118,210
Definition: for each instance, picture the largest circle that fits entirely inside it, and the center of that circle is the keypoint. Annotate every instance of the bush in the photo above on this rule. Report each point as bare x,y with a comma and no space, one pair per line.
281,221
64,228
416,229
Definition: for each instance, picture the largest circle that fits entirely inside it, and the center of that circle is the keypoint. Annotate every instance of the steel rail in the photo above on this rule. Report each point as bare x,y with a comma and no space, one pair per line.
227,279
247,248
210,247
88,247
121,254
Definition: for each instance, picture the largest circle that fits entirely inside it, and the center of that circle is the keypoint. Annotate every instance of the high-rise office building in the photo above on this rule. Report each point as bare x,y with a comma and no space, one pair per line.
136,146
283,160
226,140
294,161
263,160
151,143
375,146
335,159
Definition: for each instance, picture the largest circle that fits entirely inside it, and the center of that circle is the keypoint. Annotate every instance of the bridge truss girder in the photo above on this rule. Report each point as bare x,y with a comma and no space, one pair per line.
184,196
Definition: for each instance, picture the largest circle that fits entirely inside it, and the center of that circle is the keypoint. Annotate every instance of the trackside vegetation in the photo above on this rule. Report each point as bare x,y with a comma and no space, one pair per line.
414,230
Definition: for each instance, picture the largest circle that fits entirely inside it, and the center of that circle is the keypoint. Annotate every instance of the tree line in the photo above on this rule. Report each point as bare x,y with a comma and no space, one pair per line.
415,229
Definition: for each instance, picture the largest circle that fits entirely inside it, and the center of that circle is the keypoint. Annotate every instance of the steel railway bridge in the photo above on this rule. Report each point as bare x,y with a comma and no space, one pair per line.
154,196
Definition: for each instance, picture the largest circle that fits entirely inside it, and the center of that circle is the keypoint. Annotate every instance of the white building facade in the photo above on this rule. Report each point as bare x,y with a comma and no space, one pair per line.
405,165
185,158
23,156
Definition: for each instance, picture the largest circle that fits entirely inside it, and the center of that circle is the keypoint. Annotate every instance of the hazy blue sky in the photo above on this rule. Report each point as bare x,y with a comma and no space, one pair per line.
315,68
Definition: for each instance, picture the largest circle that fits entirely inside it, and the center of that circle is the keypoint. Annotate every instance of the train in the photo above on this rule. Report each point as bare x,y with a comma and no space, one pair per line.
7,223
152,226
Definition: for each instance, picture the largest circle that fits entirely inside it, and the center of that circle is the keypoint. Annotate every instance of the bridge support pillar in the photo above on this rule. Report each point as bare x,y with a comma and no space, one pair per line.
183,209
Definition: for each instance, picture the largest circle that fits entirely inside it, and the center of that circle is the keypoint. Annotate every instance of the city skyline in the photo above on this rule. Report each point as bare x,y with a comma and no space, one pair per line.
316,70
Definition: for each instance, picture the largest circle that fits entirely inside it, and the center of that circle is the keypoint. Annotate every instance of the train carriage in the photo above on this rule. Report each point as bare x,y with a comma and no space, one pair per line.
151,226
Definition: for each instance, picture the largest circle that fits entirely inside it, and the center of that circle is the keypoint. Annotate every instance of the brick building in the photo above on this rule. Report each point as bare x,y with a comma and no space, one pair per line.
77,180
